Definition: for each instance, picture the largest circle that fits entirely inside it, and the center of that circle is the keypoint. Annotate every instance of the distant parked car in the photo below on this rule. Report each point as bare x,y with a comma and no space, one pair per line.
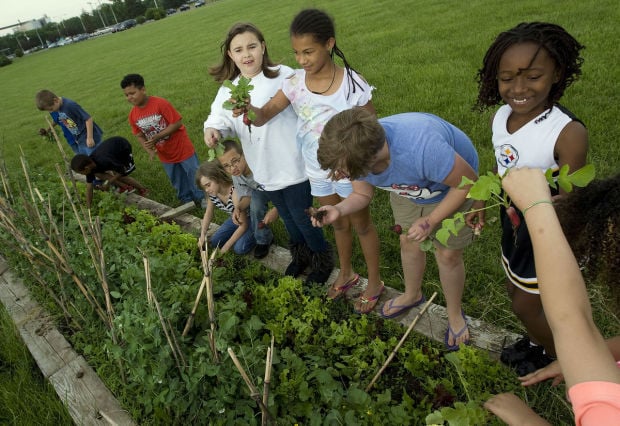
199,3
183,7
171,11
129,23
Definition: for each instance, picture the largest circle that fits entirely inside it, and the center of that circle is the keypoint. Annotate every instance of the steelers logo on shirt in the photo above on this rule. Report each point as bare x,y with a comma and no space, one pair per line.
507,156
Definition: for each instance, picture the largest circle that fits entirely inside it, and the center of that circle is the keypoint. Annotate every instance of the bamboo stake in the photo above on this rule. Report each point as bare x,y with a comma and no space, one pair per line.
400,343
268,364
192,314
147,274
207,266
254,393
168,337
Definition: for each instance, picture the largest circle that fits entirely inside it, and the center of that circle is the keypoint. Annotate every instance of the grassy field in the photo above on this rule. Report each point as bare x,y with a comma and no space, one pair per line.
420,56
26,398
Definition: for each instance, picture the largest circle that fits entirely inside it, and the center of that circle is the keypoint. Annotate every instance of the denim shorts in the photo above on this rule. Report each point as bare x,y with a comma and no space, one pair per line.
325,187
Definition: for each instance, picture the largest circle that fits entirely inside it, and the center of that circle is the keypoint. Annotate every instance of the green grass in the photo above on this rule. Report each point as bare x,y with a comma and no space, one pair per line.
26,398
420,56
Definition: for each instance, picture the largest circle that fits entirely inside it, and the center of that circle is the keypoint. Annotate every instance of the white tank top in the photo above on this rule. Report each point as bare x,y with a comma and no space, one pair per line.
530,146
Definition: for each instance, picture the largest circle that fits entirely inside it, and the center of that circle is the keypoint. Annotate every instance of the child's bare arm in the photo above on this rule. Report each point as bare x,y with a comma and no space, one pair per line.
170,129
572,147
272,108
90,141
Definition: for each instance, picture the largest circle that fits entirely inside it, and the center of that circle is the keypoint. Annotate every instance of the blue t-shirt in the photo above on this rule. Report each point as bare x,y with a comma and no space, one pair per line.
422,148
73,118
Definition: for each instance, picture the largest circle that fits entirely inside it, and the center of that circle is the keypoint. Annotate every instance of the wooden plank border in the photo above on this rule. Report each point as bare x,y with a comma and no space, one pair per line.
78,386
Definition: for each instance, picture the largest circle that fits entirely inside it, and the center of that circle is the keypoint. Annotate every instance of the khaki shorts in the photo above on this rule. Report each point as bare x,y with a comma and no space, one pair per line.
406,212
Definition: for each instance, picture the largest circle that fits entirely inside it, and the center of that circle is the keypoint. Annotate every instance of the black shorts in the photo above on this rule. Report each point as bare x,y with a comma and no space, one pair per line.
518,254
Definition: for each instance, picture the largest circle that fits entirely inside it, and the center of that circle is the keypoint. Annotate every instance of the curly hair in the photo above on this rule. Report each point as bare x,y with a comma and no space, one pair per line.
349,141
226,69
590,218
563,48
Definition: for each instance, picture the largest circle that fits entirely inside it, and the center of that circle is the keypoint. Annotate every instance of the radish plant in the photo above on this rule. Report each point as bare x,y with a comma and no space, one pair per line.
240,99
488,188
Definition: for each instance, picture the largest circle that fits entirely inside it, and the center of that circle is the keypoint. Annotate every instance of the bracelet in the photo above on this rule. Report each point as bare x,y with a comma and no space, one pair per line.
535,203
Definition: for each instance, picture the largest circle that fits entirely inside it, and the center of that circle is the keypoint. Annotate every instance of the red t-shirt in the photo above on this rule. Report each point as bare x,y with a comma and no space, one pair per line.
155,116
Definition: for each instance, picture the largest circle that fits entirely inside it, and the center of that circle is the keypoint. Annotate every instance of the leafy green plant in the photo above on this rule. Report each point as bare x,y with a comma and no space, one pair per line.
239,99
489,188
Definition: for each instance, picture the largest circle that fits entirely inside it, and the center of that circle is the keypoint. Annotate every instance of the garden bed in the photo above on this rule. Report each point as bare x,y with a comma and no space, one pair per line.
324,355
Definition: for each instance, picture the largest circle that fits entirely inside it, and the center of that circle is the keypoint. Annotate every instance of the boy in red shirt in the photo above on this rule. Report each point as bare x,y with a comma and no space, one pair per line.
159,129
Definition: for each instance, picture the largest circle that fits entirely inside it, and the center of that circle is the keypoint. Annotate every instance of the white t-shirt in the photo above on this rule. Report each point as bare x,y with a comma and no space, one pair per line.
271,150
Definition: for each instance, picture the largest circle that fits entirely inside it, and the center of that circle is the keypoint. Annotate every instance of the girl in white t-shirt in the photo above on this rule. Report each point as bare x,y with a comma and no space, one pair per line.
318,91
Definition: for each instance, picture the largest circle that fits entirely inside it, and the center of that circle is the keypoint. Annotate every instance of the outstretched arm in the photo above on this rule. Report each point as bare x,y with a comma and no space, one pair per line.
272,108
562,288
356,201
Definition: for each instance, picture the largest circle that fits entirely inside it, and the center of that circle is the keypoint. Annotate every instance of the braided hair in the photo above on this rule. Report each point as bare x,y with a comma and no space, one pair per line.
320,25
561,46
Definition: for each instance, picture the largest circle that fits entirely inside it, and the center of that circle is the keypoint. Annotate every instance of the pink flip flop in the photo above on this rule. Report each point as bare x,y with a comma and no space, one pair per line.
366,300
340,290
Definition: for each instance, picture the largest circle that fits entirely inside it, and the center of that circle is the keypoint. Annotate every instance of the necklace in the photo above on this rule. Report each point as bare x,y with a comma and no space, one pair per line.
330,84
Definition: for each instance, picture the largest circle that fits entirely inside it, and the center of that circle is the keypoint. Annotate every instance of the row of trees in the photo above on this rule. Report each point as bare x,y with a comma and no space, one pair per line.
106,15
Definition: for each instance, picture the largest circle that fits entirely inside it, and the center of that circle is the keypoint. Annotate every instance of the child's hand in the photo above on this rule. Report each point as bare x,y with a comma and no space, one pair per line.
323,215
475,220
240,108
551,371
212,136
90,142
271,216
526,186
513,411
420,230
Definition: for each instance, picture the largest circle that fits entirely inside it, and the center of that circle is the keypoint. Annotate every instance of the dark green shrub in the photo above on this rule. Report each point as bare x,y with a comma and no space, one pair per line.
4,61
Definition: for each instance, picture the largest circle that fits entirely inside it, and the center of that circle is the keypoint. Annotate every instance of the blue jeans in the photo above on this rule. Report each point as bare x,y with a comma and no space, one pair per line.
242,246
182,176
258,210
291,203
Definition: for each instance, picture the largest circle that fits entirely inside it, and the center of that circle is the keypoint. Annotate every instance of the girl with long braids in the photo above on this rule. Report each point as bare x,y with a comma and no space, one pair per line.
317,91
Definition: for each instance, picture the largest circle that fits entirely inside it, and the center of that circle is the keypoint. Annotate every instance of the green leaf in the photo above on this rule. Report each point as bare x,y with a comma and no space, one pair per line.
563,180
442,236
583,176
485,186
426,245
115,294
550,180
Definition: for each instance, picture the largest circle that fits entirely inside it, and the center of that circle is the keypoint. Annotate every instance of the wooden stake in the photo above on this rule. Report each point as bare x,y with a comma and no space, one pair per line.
268,364
400,343
253,390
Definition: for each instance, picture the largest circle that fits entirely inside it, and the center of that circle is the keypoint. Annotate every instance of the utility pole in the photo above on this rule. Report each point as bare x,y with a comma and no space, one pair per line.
100,17
113,14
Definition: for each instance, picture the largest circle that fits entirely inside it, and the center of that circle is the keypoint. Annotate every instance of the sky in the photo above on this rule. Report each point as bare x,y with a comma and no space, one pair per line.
27,10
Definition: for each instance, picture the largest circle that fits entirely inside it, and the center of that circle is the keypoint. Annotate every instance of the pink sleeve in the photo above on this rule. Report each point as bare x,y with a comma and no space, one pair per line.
596,403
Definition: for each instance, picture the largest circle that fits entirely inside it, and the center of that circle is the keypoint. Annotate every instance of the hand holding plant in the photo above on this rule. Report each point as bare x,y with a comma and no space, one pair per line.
240,100
488,188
